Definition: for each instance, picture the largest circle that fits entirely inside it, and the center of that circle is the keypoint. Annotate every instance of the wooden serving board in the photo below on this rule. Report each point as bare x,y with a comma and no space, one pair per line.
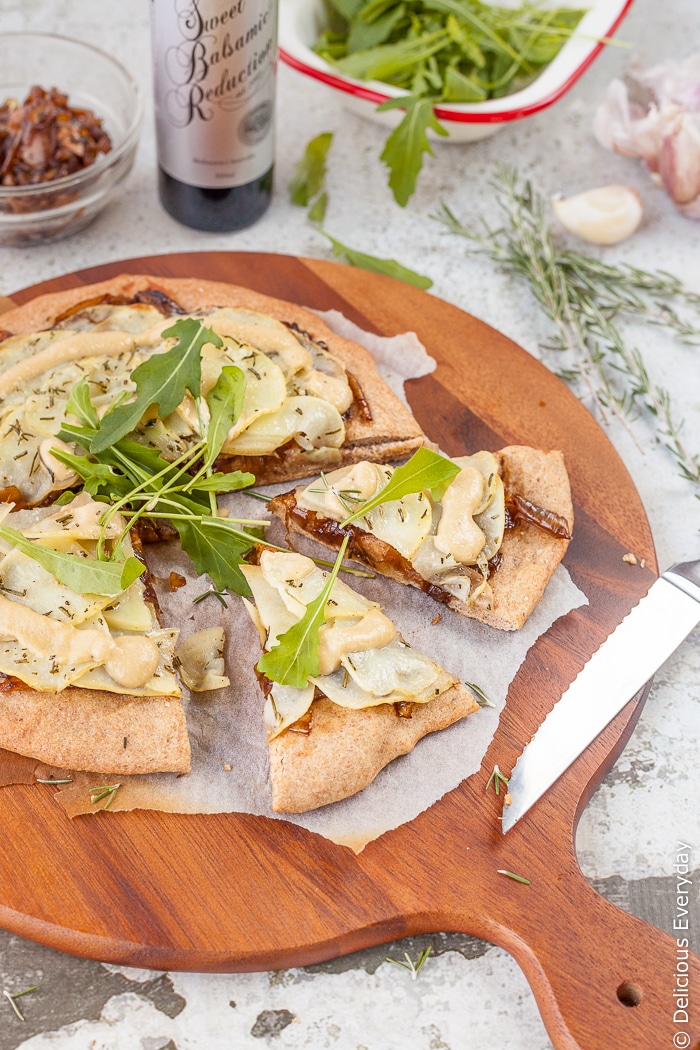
233,892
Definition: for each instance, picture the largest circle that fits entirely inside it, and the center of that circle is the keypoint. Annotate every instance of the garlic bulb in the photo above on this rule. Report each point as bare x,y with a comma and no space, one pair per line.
655,114
606,215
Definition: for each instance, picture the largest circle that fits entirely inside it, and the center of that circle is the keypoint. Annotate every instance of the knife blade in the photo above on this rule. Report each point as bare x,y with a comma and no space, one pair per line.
621,666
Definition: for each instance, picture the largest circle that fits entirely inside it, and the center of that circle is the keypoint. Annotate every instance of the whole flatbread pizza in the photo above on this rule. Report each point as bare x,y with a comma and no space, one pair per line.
126,409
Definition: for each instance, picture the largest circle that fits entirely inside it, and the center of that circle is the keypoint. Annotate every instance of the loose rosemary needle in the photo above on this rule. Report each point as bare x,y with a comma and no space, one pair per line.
584,297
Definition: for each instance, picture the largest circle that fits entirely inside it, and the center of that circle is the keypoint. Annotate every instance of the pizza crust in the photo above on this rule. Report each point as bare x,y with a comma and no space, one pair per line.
345,749
97,731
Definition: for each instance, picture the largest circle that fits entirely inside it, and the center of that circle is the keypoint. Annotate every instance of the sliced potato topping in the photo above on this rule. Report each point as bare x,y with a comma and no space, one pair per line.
445,541
404,523
313,423
201,660
52,637
295,389
363,660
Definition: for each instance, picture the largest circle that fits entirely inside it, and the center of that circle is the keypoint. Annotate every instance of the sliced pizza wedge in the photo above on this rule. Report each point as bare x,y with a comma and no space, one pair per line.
368,697
486,546
86,671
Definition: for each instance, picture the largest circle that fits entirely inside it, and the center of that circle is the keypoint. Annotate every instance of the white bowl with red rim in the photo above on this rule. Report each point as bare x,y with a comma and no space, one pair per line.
301,21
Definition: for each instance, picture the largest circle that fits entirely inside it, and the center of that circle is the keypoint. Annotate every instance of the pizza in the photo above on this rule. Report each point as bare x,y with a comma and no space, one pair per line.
486,547
372,699
86,679
307,402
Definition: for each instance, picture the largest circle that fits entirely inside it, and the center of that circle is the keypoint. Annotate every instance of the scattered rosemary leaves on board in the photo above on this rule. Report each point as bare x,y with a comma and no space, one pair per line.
68,780
584,297
479,695
413,968
13,996
497,778
512,875
105,791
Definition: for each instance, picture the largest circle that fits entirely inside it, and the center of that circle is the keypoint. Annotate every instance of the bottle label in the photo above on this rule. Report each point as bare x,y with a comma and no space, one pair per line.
215,89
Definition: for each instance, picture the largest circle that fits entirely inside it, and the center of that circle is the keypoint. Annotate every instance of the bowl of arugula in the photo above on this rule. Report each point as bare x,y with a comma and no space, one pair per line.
461,69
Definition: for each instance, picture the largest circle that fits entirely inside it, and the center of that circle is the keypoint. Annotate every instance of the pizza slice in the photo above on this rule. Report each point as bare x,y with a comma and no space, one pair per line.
312,400
86,671
349,697
486,545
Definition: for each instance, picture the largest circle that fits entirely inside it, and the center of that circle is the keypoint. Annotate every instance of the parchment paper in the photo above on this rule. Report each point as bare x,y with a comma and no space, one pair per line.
229,768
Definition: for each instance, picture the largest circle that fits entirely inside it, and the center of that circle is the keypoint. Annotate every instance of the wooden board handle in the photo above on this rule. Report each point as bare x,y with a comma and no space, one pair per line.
603,978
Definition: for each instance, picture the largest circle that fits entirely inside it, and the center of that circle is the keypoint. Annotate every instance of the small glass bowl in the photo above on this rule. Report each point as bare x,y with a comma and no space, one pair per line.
93,80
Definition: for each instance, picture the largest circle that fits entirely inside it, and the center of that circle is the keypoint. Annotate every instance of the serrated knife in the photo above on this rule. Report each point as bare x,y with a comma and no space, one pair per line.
625,661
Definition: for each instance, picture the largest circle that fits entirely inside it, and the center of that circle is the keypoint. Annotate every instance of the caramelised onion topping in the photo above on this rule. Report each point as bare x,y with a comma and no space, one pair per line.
520,509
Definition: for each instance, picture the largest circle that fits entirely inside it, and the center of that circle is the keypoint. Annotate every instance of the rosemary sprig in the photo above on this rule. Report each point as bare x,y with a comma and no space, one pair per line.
584,297
12,996
413,968
497,778
105,791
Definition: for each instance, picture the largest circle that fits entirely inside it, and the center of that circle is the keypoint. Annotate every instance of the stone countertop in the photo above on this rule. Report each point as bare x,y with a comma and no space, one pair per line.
469,993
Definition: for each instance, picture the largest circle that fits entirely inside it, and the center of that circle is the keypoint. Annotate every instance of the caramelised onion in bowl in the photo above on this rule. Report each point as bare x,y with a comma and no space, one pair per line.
90,80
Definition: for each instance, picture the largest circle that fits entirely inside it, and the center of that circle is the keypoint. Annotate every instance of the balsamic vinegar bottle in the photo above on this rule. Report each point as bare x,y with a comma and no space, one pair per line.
214,64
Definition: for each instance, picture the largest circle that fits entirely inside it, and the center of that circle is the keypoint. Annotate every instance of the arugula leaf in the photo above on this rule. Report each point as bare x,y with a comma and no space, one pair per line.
216,548
99,479
317,211
80,405
215,545
424,470
365,33
295,657
83,575
403,150
218,482
347,8
161,380
310,171
225,401
390,267
387,60
459,88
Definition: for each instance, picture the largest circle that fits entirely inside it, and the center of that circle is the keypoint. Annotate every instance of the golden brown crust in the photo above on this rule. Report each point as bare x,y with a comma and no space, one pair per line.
346,749
529,555
392,433
97,731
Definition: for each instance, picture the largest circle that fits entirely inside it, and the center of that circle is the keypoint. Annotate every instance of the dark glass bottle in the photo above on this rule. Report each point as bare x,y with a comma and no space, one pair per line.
214,64
215,210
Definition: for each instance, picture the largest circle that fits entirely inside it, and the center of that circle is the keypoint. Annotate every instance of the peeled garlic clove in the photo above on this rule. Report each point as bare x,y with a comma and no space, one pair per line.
606,215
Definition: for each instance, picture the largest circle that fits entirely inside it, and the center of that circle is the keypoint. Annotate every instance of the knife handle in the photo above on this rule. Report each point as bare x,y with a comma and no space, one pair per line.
686,575
603,979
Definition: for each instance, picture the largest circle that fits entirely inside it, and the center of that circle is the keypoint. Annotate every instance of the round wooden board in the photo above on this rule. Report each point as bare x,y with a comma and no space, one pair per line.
233,892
